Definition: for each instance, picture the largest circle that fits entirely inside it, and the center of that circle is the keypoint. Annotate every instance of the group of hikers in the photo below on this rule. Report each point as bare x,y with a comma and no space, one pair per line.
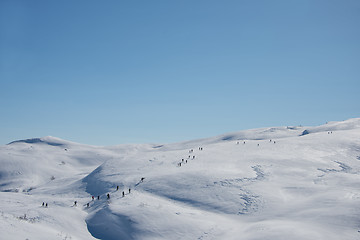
123,193
108,194
190,157
272,141
98,197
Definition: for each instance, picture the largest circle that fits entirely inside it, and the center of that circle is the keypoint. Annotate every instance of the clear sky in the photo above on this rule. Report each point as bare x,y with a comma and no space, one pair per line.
112,72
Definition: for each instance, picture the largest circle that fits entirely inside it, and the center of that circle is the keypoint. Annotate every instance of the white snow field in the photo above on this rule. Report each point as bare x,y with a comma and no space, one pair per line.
269,183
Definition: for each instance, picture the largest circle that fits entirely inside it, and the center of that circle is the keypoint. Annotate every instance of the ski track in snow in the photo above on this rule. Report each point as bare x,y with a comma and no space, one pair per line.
268,183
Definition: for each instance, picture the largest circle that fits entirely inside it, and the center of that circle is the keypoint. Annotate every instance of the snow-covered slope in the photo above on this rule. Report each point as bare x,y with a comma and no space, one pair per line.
268,183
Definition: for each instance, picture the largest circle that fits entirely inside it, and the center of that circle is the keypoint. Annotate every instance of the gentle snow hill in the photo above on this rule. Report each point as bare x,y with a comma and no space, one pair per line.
27,164
268,183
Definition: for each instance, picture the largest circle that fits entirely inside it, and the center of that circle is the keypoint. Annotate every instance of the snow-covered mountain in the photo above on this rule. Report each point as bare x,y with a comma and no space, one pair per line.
269,183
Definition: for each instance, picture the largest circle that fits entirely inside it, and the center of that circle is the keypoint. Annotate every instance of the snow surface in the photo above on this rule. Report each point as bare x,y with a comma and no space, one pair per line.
282,183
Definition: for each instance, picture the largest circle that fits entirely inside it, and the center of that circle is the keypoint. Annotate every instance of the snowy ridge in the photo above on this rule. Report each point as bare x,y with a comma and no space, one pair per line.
334,126
272,133
267,183
52,141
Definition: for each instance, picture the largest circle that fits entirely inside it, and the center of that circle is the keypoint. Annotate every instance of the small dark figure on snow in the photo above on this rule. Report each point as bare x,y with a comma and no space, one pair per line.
88,204
258,144
123,194
129,190
43,204
244,142
98,197
186,161
46,205
93,198
117,188
142,179
75,203
108,196
193,157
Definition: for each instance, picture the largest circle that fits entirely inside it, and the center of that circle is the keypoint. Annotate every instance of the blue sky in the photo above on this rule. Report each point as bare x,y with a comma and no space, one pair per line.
112,72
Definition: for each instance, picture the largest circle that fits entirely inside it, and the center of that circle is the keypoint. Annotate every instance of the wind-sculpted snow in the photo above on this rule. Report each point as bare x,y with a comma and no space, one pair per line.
268,183
106,224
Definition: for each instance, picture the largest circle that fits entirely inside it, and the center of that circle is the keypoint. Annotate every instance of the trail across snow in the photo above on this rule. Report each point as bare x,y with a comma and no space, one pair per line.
269,183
